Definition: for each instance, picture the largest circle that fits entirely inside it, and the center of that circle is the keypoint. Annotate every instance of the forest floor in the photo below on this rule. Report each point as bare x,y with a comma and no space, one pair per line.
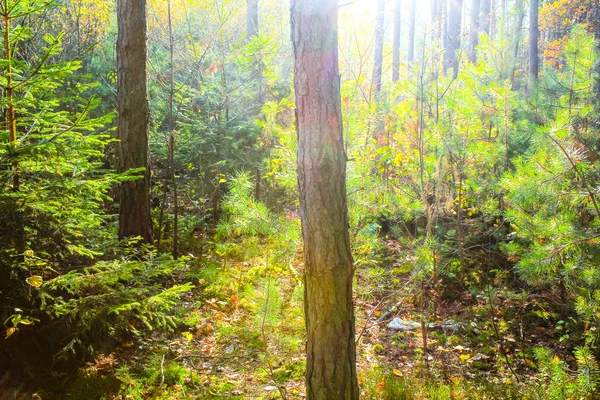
241,337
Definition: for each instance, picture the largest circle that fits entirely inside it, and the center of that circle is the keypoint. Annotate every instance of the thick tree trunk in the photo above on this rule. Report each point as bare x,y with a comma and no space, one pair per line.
411,31
379,31
534,37
474,30
133,119
453,35
251,18
330,346
396,41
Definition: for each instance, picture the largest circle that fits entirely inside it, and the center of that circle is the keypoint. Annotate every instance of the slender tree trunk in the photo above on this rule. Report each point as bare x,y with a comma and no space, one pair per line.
534,37
411,31
396,40
379,31
171,143
133,119
484,21
474,30
518,34
453,35
11,119
328,306
251,19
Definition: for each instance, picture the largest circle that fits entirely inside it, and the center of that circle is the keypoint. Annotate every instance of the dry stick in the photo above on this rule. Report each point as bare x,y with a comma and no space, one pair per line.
162,370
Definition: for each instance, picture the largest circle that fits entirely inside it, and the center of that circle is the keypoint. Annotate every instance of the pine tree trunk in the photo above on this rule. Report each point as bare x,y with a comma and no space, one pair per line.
251,19
474,30
133,119
328,306
534,37
396,41
379,31
453,35
411,31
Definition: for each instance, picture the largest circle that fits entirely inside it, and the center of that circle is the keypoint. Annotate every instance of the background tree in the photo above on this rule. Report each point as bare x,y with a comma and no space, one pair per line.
251,18
484,23
453,35
396,40
133,119
474,30
534,37
411,31
330,346
378,51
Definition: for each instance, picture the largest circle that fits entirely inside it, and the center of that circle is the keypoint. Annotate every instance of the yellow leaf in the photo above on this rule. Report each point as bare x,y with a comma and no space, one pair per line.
381,386
188,336
222,180
556,359
35,281
397,372
10,331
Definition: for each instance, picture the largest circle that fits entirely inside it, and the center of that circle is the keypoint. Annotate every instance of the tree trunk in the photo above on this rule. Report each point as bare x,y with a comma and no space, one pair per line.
396,44
133,119
518,32
534,37
474,30
411,31
484,21
251,19
171,144
11,120
453,35
379,31
328,306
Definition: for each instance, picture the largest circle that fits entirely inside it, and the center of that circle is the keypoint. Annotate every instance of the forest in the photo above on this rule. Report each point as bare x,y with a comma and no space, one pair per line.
299,199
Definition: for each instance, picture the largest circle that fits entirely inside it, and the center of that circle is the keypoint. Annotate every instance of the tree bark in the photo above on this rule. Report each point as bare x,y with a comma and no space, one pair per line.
329,313
396,41
474,30
133,119
534,37
411,31
453,35
379,31
251,19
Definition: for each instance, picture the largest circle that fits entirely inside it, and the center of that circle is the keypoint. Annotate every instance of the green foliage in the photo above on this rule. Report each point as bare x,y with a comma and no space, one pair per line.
117,296
53,180
560,383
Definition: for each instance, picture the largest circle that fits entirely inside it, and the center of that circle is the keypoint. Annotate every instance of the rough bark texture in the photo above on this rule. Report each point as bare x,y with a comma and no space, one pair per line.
133,119
411,31
251,18
474,30
396,40
330,346
379,31
453,35
534,37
